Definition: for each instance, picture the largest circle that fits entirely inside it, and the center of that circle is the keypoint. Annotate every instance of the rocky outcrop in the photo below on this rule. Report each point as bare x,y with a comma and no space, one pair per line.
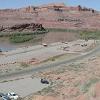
22,27
51,16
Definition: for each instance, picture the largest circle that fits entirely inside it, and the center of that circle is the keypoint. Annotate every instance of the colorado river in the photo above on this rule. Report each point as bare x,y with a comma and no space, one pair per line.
5,45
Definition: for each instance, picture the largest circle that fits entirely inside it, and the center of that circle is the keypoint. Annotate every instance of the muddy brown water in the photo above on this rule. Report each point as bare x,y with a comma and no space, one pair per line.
5,45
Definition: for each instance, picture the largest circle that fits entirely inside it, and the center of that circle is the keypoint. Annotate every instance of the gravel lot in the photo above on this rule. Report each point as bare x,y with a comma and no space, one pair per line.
42,53
22,87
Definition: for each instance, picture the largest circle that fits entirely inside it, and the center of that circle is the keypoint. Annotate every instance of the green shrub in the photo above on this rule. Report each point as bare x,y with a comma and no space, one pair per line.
90,35
61,30
4,34
20,38
24,65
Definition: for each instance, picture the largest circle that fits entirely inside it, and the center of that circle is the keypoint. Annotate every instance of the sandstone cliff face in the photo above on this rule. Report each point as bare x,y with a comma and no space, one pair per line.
52,16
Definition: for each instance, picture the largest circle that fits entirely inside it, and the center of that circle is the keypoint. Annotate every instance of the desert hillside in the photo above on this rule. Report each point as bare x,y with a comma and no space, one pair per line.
63,22
52,16
50,52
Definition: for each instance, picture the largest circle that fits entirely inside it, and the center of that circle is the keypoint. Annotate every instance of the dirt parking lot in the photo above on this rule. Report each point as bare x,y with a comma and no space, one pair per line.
22,87
42,53
22,58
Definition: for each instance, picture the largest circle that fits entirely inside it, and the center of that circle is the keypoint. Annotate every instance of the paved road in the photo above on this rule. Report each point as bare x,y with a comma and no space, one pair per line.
30,71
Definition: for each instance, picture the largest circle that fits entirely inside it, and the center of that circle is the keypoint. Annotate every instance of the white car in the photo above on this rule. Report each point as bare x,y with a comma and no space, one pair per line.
12,95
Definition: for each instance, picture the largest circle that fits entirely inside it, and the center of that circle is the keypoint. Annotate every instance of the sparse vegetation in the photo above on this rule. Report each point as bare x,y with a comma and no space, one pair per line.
83,34
20,37
5,34
92,92
60,71
46,90
86,86
90,35
61,30
24,65
75,67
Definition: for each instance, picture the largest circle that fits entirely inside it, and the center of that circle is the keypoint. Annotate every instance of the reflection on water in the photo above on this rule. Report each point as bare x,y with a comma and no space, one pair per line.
6,45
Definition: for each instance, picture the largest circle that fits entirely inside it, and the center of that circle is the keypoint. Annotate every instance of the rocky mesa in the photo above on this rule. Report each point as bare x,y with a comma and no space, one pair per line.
52,16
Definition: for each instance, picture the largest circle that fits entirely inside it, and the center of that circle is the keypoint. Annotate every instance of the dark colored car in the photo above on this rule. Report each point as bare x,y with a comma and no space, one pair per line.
44,81
6,98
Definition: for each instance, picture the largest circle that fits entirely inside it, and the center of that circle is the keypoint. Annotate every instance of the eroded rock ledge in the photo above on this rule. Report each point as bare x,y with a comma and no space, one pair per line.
27,27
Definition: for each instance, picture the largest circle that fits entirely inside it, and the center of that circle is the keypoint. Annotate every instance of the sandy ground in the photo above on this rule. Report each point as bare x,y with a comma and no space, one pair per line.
69,78
23,57
23,87
42,53
77,81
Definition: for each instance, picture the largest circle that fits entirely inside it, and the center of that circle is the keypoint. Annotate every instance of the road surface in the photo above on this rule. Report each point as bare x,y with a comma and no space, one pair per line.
41,67
27,85
23,87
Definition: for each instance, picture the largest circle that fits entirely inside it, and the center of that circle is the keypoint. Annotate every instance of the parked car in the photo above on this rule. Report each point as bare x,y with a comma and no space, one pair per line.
5,98
12,95
44,81
44,44
84,45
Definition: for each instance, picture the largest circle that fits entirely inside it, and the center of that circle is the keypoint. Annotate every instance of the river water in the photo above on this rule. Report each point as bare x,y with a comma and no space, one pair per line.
7,46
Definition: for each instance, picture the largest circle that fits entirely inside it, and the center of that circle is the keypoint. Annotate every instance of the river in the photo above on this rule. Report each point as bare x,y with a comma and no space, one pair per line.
5,45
